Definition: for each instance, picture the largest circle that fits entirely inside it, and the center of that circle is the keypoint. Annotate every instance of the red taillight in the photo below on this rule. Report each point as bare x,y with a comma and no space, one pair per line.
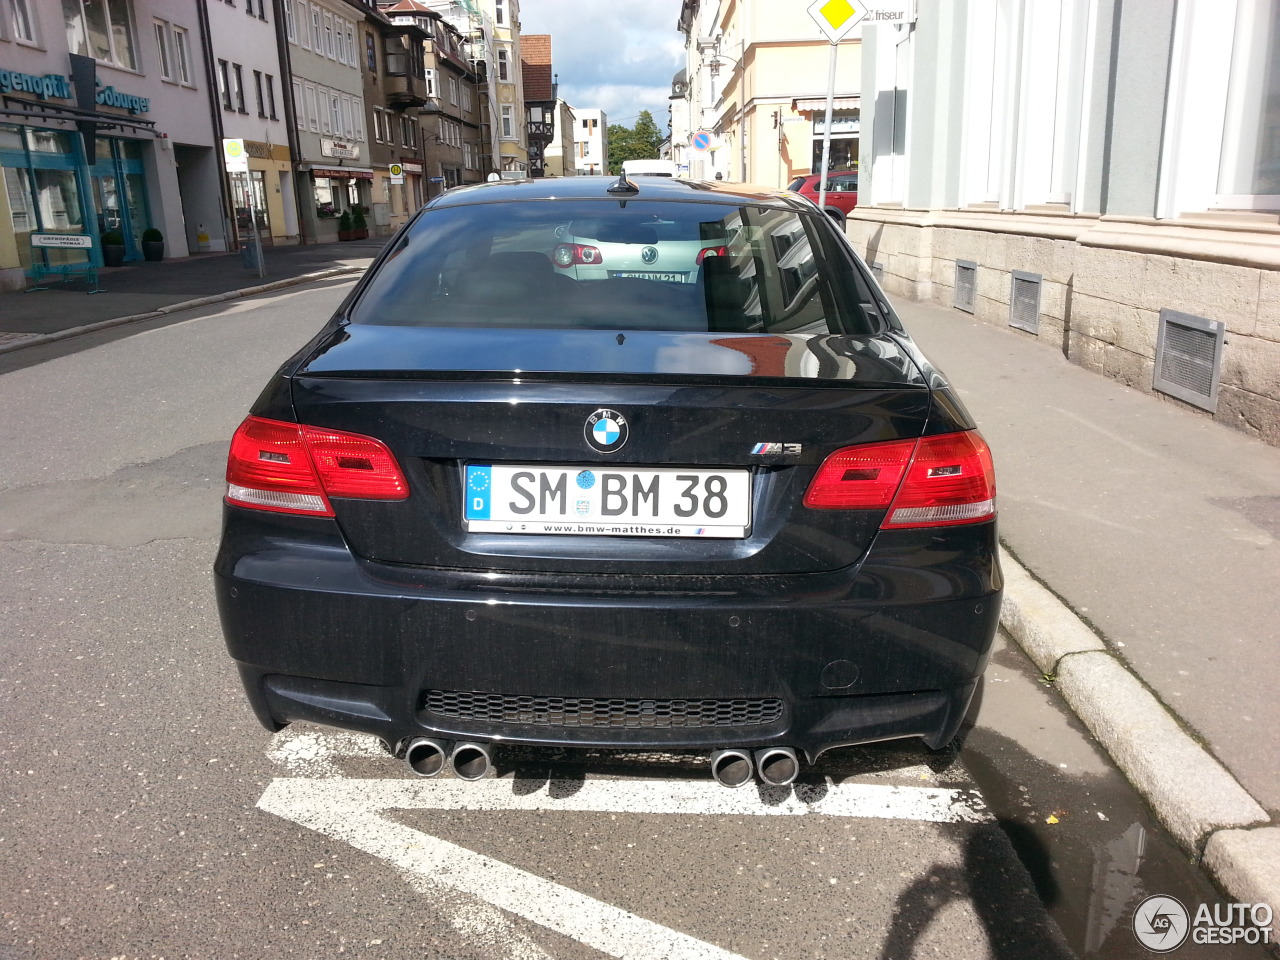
572,254
290,468
712,252
933,482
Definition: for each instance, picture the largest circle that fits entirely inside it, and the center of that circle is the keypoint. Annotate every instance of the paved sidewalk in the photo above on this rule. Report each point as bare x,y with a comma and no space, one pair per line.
1159,533
139,289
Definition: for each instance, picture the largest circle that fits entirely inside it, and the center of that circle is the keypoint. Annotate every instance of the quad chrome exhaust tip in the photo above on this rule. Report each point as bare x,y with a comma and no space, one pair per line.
427,757
731,768
777,766
471,761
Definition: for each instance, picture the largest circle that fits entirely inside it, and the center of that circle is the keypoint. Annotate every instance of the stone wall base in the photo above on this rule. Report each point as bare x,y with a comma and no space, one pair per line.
1104,283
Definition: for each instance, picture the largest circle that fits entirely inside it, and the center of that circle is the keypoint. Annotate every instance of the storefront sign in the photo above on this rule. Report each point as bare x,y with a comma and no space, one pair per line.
411,167
340,148
58,86
61,240
339,173
259,151
111,97
50,85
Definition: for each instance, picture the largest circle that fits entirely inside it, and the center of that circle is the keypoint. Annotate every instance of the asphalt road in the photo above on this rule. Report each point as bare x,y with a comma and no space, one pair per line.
146,814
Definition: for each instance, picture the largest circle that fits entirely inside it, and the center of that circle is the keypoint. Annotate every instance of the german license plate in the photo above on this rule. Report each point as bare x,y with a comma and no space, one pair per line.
646,275
607,501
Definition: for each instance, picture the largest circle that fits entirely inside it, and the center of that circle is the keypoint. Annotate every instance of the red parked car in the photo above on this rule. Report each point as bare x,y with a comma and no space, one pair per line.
842,192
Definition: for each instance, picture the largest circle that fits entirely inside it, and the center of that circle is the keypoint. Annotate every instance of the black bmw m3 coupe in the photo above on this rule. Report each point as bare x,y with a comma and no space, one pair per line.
593,463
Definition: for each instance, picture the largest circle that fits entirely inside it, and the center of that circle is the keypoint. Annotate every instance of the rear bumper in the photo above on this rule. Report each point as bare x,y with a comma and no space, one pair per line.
890,648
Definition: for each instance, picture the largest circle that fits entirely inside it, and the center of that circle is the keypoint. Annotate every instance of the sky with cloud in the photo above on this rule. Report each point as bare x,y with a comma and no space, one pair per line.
615,55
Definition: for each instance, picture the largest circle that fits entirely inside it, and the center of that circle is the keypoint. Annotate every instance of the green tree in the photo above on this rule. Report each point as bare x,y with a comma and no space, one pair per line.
640,142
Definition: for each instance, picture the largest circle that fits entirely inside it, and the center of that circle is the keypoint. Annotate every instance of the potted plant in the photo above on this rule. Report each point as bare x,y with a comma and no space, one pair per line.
112,248
344,226
152,245
359,226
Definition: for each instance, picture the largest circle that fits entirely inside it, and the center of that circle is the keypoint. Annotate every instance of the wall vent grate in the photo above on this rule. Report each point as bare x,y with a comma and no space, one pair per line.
966,285
1189,358
1024,301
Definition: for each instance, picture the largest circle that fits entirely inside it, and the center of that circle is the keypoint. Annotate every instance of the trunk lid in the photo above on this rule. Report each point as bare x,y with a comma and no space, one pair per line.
443,399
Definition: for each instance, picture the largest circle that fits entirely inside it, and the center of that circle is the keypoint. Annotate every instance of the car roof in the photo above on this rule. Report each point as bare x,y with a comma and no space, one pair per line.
596,188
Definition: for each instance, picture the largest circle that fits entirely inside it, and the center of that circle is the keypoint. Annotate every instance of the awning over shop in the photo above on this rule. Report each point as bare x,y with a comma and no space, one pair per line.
810,104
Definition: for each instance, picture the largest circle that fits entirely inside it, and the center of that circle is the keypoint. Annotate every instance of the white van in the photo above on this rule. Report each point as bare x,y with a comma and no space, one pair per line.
649,168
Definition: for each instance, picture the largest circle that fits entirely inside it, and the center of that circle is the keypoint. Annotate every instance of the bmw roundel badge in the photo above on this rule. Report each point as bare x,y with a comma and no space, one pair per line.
606,431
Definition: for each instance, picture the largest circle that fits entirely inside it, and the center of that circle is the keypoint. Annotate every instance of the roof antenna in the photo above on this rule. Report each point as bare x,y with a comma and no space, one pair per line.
622,185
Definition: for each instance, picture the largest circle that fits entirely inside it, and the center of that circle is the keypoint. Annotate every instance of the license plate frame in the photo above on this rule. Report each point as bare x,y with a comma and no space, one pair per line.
607,500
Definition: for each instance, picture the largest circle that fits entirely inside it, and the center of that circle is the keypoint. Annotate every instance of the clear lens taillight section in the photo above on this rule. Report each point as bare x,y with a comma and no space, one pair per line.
291,468
572,254
931,482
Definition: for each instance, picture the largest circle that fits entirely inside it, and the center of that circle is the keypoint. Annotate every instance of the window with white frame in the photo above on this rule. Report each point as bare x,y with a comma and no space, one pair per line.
453,90
100,30
161,28
466,97
317,30
327,45
290,26
431,83
313,109
500,12
1249,167
357,118
504,64
349,30
181,54
335,114
23,20
299,106
508,122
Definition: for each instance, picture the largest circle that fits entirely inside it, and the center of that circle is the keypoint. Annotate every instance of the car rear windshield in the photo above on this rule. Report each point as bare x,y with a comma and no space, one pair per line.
608,264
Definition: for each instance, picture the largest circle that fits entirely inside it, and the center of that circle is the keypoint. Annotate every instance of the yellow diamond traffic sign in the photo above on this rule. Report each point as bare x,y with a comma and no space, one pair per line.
835,18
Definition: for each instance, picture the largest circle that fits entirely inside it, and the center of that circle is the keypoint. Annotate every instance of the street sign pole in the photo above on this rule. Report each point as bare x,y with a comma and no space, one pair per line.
826,129
835,18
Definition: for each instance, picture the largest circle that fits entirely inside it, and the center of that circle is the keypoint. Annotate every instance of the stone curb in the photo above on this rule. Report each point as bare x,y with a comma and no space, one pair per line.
1147,743
1247,863
179,307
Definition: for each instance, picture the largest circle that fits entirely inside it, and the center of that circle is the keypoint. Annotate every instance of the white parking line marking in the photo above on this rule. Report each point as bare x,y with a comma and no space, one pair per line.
352,810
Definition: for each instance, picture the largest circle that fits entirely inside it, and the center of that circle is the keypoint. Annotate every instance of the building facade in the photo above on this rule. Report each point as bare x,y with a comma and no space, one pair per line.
1101,175
559,151
590,142
755,84
247,96
334,170
104,126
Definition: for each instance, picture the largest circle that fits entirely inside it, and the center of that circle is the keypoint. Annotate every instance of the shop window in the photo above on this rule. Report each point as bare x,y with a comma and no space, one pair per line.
102,29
